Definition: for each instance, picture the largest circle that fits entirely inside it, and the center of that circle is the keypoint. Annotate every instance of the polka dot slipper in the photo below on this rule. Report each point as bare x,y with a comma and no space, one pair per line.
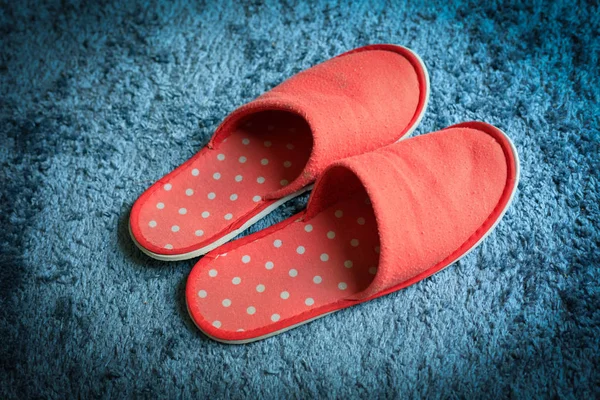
273,148
374,224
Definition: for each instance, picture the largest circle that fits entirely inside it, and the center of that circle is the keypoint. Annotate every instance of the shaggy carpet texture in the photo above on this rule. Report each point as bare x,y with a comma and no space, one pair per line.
99,99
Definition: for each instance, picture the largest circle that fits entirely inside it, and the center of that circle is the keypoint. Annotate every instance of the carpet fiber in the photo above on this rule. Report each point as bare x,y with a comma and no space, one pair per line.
100,99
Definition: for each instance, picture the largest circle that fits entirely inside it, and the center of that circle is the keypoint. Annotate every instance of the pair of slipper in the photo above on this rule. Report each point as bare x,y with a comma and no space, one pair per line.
382,216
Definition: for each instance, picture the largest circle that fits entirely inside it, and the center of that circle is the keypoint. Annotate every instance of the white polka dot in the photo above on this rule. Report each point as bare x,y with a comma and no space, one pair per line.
236,281
260,180
260,288
216,176
270,127
169,246
251,310
308,228
293,273
300,250
309,301
377,249
264,161
290,146
160,206
317,279
331,234
226,302
182,211
283,182
212,273
240,330
205,214
361,221
246,259
152,224
277,243
175,228
246,141
189,192
228,216
217,324
287,164
238,178
348,264
221,157
269,265
342,286
242,159
202,294
324,257
275,317
199,232
195,172
284,295
373,270
167,187
256,199
233,197
211,196
354,242
339,214
267,143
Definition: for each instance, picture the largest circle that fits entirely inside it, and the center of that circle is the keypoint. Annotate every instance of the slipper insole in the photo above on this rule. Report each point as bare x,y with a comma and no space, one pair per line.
263,154
304,265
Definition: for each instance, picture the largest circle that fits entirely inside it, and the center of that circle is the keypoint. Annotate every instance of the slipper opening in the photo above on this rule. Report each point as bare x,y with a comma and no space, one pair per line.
304,268
341,195
281,141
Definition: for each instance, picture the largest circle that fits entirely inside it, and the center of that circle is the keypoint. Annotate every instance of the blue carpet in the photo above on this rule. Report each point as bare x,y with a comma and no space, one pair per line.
100,99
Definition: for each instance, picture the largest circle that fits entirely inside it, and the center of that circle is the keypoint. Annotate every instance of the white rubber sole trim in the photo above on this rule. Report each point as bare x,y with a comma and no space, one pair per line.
224,239
427,94
272,207
510,200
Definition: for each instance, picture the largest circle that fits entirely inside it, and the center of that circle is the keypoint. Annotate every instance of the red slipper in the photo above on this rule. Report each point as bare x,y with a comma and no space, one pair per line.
271,149
374,224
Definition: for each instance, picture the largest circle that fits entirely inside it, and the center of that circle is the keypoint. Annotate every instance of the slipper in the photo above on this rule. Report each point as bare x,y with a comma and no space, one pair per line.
273,148
375,223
